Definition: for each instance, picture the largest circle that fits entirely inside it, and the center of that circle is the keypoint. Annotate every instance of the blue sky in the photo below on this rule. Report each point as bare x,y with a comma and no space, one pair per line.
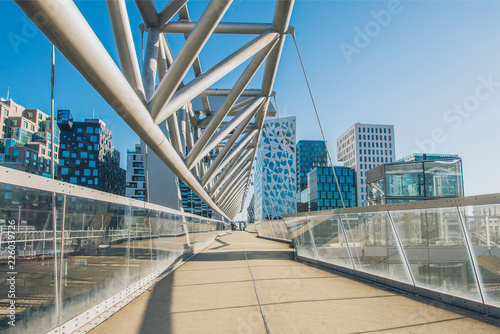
432,69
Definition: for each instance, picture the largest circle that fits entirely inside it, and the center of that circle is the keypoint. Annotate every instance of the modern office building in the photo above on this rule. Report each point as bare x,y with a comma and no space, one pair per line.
363,147
87,156
136,186
415,181
192,203
26,139
426,156
323,192
275,170
310,154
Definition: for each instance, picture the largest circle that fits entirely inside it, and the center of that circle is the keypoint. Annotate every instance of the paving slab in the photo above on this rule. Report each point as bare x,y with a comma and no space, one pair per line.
214,293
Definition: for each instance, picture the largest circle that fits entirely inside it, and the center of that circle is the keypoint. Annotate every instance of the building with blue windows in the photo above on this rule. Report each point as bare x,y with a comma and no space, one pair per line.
310,154
87,156
323,191
26,139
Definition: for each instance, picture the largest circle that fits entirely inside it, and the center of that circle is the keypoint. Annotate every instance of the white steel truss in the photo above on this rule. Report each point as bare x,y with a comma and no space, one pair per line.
211,151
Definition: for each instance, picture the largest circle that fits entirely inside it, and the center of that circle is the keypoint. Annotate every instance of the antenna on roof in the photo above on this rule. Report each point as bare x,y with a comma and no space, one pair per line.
93,114
8,91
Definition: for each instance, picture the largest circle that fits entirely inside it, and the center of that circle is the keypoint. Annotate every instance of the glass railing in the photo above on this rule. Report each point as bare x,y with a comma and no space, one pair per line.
450,247
99,246
273,229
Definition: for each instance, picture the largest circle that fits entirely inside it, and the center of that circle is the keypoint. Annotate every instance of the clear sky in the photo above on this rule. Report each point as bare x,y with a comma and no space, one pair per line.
430,68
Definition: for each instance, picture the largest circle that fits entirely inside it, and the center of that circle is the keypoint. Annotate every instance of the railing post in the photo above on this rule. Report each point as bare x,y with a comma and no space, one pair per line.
470,251
347,242
402,251
311,235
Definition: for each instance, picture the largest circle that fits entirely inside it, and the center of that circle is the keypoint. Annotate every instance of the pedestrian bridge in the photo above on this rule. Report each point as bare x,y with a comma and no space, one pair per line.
84,261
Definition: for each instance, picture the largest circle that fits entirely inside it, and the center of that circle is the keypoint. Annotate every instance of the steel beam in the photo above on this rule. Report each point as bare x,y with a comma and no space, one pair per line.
222,28
169,11
148,12
228,103
228,193
243,117
221,161
225,92
230,170
71,34
187,55
231,185
125,45
150,66
205,80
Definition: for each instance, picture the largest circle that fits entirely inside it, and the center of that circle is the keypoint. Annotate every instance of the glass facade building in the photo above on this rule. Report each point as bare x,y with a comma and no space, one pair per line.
275,170
414,181
323,192
363,147
310,154
87,156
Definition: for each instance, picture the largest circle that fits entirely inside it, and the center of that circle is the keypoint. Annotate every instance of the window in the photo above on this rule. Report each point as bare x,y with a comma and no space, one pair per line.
90,129
96,147
72,180
25,124
73,155
65,154
61,162
64,171
77,172
92,163
15,153
86,172
93,139
95,172
84,179
83,155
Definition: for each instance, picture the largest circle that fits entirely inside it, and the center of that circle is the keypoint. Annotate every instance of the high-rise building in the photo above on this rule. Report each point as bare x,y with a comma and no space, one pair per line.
275,170
26,139
87,157
310,154
415,180
136,180
323,192
192,203
363,147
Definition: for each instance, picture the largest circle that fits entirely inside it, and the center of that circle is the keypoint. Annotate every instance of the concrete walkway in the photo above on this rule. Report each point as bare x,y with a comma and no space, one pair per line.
214,293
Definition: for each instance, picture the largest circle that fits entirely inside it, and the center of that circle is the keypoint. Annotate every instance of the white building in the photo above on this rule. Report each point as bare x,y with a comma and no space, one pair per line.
136,178
274,170
363,147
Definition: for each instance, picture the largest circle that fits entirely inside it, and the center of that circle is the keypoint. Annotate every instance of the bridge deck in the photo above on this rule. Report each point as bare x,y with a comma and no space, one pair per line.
214,293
